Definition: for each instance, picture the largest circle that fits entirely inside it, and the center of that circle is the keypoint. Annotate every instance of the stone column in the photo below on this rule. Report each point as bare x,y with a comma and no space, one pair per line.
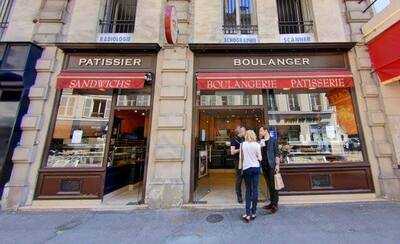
27,156
168,175
371,107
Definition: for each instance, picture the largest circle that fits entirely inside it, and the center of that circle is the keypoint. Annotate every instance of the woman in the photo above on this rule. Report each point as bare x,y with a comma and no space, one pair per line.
251,157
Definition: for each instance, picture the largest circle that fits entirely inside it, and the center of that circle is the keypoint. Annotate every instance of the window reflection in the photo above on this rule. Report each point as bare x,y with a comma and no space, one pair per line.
231,98
80,131
316,127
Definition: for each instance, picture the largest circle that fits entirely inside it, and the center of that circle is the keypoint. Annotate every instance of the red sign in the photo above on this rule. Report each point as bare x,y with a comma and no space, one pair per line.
276,80
170,24
100,80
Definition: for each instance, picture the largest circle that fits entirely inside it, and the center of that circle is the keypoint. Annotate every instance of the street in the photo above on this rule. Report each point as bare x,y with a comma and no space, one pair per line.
376,222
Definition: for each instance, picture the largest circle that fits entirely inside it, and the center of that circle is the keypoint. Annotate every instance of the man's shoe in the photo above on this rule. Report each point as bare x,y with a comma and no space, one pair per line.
268,207
274,209
240,199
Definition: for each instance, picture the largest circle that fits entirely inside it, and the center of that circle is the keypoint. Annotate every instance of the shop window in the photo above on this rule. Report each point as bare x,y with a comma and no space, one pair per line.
16,56
272,105
96,108
79,139
294,16
315,102
12,95
240,17
231,98
67,106
293,102
119,16
328,134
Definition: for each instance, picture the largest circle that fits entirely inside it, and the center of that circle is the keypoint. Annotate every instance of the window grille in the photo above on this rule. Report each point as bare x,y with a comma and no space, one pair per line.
239,17
119,16
5,8
294,16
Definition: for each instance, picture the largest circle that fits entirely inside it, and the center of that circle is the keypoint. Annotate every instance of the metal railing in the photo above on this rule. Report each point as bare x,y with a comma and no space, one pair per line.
117,26
5,8
240,29
291,27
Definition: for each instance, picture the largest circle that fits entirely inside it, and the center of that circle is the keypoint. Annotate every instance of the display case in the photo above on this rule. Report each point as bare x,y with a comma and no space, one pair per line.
89,153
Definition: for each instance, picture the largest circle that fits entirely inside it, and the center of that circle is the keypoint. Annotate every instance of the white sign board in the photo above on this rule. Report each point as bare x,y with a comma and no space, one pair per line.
297,38
115,37
241,39
330,131
77,137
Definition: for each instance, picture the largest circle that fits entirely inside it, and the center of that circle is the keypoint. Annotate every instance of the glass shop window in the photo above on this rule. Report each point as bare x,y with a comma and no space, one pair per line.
230,98
16,57
293,102
80,130
322,130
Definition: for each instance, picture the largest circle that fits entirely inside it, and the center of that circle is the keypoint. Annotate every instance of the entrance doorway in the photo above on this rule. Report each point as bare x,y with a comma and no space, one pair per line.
126,157
215,166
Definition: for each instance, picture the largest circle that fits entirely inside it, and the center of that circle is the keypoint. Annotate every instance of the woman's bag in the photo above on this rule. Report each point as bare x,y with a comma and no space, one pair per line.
278,181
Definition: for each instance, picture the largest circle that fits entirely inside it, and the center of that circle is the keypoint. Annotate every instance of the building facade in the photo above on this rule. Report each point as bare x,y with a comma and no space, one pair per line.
143,96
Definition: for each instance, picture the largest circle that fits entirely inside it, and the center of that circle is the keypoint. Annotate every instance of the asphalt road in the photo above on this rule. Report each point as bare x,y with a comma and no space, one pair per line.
332,223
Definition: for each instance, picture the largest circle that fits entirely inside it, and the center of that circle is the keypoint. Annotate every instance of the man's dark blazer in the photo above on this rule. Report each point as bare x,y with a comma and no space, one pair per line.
269,153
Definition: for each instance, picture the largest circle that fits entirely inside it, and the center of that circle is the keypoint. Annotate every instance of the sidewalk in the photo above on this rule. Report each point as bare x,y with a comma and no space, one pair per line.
377,222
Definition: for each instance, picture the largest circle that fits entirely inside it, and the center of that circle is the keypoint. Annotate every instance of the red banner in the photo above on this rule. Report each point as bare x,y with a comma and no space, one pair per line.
100,80
276,80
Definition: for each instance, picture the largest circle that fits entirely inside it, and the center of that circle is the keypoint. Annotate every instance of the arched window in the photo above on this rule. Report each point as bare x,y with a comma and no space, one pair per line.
240,17
119,16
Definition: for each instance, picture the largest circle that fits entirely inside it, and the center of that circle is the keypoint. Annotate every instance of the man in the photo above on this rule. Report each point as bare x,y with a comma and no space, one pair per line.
235,150
270,165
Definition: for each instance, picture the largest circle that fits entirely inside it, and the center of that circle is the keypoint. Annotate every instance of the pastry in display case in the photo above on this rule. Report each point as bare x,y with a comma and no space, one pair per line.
88,153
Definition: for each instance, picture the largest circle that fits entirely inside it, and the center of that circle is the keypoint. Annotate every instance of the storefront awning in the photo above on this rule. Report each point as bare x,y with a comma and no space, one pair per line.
385,54
275,80
74,80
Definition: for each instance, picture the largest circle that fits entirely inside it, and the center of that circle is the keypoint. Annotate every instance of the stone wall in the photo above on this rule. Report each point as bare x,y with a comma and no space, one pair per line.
27,156
168,175
375,113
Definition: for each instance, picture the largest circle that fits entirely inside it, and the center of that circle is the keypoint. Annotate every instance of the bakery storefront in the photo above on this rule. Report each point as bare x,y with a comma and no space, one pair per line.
98,138
303,94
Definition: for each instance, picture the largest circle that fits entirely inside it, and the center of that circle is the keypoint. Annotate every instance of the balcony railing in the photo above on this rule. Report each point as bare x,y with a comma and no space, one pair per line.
117,26
293,27
240,29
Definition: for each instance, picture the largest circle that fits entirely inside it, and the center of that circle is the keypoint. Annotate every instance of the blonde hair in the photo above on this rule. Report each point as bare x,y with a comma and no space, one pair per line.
250,136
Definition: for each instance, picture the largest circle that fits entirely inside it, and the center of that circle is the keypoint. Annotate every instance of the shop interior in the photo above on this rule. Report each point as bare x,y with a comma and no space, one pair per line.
311,127
82,139
215,168
126,157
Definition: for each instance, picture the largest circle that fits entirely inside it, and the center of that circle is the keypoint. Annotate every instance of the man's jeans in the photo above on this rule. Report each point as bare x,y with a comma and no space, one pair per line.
251,176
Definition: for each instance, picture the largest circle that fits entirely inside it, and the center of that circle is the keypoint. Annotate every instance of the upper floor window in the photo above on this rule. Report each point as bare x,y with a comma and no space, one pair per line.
5,8
240,17
294,16
119,16
380,5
